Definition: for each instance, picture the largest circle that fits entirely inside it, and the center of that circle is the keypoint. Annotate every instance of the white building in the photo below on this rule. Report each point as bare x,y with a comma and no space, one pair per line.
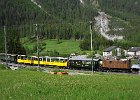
134,51
112,51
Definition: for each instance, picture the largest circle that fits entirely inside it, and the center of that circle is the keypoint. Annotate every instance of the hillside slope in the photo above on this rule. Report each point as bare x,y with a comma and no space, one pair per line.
69,19
125,14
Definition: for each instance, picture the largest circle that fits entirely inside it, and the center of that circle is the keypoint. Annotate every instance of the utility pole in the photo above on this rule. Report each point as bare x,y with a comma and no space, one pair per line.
37,45
91,46
92,64
91,35
5,43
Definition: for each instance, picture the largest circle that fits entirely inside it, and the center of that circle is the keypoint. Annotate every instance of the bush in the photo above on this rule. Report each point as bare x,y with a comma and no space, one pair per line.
2,67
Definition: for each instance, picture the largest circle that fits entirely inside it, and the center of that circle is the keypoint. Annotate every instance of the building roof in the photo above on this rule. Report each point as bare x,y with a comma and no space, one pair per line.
134,49
110,48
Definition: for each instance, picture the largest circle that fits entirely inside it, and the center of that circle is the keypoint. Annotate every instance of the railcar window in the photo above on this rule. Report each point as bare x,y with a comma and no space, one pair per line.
24,58
18,57
55,59
40,59
29,58
8,56
36,59
44,59
71,61
83,62
88,62
93,62
61,60
21,57
48,59
32,58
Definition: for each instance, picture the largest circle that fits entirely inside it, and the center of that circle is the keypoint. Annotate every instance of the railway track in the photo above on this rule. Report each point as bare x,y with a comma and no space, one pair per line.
14,66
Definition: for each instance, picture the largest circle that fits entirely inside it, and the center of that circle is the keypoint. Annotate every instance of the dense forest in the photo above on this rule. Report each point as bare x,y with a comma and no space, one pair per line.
69,19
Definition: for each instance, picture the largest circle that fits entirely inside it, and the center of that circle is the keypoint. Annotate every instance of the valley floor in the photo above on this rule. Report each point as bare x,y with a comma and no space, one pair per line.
29,84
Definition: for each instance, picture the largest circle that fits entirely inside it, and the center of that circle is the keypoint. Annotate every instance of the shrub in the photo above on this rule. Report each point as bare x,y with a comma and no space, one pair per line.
2,67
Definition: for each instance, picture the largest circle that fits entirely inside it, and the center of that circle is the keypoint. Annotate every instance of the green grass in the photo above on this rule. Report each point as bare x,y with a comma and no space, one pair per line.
2,67
63,47
27,43
33,85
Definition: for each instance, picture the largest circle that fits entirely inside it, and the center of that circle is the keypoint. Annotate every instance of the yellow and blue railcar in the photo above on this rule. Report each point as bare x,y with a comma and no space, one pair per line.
21,59
56,61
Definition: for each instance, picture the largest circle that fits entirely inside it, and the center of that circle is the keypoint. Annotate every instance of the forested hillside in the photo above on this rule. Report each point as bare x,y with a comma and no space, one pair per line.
19,12
69,19
126,14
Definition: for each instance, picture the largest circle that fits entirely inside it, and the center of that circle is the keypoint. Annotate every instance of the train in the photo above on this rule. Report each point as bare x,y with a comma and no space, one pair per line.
72,62
33,60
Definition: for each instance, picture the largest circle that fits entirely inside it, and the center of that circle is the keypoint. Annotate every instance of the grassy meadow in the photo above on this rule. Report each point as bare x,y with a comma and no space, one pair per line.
62,46
33,85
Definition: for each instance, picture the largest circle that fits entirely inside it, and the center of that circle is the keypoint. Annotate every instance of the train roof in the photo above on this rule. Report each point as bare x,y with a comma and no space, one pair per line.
86,59
55,57
8,54
116,59
13,54
82,58
21,55
59,57
2,53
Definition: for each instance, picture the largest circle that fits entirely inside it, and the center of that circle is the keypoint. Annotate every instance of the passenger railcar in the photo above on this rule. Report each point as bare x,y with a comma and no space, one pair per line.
57,61
43,61
11,58
83,63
